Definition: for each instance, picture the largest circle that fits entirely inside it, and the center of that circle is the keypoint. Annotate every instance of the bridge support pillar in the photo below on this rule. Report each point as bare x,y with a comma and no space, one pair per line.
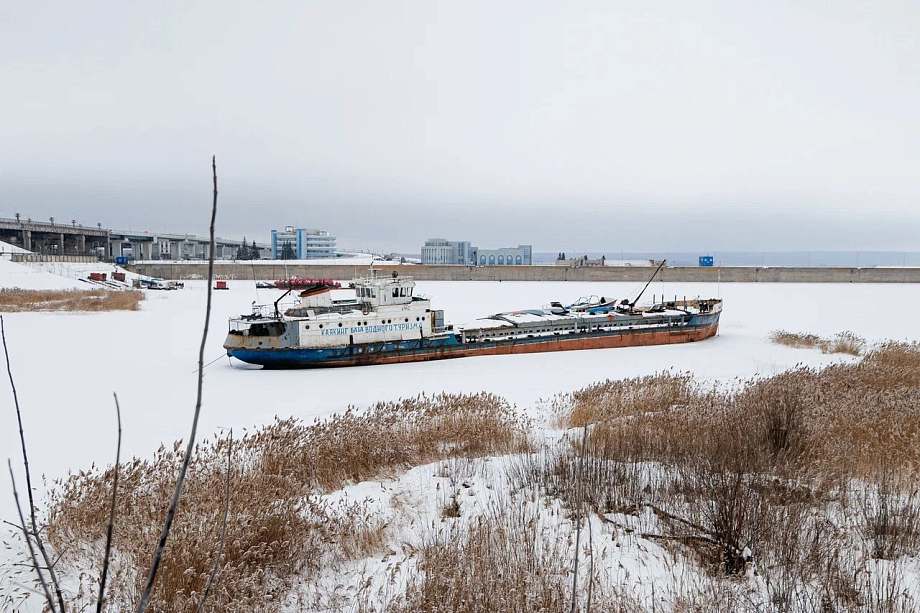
27,240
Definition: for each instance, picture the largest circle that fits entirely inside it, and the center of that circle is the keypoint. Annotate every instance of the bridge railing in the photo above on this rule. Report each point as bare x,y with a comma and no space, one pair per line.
35,257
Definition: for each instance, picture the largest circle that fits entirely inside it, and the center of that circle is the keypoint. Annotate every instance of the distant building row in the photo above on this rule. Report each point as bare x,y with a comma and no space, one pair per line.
439,251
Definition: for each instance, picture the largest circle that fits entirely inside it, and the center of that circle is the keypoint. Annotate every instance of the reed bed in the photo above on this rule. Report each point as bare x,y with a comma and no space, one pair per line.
499,562
808,479
25,300
797,493
843,342
279,529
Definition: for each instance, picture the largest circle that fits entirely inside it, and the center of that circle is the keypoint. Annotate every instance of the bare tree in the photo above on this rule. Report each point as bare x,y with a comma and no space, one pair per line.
180,480
34,534
111,527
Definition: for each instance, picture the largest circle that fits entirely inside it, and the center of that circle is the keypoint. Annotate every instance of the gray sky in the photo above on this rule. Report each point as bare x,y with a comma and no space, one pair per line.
587,125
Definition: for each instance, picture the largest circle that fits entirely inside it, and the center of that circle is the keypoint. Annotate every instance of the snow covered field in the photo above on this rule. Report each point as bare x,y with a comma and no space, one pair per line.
67,365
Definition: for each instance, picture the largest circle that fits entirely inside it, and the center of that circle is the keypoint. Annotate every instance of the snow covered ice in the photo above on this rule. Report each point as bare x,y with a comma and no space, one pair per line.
67,365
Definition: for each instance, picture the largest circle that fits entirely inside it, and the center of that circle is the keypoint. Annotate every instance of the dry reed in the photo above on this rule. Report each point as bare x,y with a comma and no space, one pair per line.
24,300
801,483
807,478
843,342
279,528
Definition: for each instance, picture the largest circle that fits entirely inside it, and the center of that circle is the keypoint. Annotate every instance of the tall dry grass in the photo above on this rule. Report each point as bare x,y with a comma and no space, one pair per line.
14,300
807,479
843,342
279,529
794,494
499,562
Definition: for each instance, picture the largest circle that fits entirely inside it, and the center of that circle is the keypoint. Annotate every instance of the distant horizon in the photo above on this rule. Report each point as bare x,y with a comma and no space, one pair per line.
816,258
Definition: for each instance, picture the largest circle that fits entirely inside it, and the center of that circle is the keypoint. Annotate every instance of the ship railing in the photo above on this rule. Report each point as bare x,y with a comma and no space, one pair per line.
260,311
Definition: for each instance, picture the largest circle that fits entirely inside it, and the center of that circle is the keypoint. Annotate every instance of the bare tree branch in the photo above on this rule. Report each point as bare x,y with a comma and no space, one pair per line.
579,504
111,528
171,512
25,462
223,532
25,533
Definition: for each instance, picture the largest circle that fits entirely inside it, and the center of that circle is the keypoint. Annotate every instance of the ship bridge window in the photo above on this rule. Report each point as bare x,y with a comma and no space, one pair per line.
267,329
396,292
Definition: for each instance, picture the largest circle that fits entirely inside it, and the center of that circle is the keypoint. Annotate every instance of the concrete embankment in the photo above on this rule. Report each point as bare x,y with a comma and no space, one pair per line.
738,274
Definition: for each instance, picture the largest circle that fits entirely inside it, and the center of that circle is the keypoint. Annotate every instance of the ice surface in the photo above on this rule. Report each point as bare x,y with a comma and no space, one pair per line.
67,365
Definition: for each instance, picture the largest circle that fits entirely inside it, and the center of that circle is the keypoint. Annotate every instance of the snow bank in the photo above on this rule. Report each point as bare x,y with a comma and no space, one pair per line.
24,277
6,249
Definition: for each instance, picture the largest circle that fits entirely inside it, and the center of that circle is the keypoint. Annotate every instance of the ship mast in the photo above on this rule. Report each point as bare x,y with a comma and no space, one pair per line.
633,303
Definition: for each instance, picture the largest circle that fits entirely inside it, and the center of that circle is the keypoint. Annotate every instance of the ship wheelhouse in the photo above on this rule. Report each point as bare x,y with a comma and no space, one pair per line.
373,293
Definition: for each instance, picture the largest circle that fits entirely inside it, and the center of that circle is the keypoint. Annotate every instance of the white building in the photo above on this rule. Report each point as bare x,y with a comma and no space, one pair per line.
440,251
522,255
302,244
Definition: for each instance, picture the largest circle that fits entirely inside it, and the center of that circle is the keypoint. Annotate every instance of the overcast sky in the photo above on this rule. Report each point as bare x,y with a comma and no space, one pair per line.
568,125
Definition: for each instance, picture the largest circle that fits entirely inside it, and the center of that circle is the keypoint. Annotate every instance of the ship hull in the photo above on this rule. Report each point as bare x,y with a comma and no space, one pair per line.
699,328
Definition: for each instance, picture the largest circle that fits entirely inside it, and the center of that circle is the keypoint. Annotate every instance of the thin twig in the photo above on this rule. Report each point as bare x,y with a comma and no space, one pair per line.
578,505
223,531
171,512
111,528
25,462
22,519
590,568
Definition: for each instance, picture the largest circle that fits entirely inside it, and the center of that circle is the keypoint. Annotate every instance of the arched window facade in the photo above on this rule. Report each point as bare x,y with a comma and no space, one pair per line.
518,260
501,259
491,260
482,260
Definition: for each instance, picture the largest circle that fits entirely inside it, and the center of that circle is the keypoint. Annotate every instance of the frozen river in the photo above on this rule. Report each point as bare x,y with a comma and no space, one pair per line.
67,365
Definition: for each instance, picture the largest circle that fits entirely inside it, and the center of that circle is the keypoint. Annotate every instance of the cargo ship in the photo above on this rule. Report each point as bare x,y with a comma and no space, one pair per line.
386,322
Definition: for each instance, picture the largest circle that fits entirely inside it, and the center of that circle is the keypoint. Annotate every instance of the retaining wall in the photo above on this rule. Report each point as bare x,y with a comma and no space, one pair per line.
633,274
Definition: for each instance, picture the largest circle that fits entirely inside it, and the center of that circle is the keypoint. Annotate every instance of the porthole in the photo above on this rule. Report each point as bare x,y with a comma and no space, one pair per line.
407,319
340,324
389,321
308,326
321,326
423,319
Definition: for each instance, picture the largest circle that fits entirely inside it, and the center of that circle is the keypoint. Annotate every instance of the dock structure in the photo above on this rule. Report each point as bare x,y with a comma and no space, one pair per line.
164,246
55,239
50,238
264,270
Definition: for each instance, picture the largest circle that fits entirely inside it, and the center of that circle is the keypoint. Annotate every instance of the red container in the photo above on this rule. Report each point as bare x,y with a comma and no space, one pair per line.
119,276
97,276
221,285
